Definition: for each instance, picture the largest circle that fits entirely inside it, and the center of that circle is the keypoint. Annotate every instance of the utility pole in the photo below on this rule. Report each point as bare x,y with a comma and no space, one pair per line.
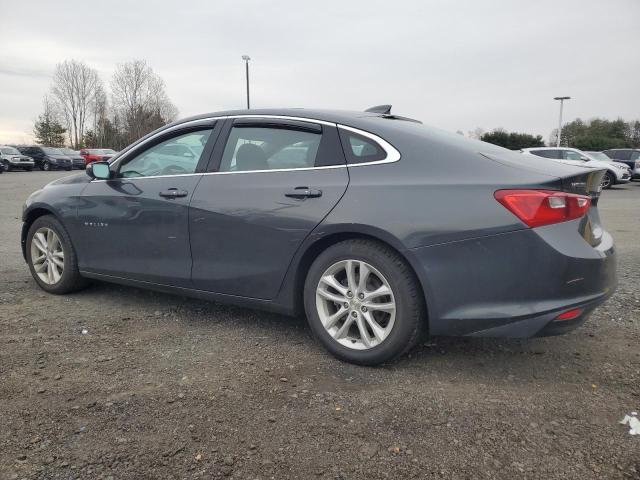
246,59
562,99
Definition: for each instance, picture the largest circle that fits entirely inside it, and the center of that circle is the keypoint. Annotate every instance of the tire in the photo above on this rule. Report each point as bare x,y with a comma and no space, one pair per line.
70,279
46,166
404,326
608,181
6,167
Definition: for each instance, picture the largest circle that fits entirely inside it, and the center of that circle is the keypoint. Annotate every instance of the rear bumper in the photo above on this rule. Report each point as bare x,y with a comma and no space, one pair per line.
515,284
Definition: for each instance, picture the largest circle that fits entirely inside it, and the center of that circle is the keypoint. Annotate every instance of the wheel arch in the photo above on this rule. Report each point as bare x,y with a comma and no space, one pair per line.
29,217
315,247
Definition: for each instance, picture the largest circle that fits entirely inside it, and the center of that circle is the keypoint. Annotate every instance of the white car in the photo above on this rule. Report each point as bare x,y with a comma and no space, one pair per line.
616,172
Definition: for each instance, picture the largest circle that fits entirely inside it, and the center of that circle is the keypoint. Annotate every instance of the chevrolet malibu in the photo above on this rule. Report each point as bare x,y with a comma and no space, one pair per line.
367,222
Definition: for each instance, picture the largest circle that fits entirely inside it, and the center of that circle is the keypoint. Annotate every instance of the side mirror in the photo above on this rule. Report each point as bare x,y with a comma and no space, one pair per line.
99,170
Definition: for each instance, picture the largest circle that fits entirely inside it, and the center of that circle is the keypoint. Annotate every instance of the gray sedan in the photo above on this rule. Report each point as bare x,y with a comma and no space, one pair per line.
367,222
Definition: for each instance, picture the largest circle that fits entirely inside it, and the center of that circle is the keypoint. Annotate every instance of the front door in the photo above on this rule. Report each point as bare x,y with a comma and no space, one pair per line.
136,225
273,182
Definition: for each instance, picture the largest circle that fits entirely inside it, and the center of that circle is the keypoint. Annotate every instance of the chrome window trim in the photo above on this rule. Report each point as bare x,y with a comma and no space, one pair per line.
393,155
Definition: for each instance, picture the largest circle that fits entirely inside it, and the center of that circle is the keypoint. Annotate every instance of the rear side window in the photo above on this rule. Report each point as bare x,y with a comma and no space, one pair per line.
547,153
635,155
360,149
571,155
269,148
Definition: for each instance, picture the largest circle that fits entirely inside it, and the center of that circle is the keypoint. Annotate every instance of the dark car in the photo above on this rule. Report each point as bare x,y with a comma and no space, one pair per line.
629,156
363,220
12,159
77,160
47,158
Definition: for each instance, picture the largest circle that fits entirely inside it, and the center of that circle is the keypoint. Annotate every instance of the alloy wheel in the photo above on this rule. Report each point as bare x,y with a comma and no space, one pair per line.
356,304
46,166
47,255
606,181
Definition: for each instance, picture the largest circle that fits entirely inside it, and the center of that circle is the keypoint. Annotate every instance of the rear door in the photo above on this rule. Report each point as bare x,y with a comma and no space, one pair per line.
271,182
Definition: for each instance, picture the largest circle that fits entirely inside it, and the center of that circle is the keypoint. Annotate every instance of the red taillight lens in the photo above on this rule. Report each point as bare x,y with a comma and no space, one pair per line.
569,314
543,207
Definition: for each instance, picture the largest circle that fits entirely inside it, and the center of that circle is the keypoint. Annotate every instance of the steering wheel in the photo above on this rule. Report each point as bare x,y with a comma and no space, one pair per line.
173,170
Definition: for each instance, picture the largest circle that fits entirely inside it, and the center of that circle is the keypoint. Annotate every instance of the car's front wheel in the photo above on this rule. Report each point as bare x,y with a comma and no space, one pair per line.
608,180
52,258
46,166
363,302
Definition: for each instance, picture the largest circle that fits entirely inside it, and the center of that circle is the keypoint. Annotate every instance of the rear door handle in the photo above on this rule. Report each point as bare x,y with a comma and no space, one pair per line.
303,192
173,193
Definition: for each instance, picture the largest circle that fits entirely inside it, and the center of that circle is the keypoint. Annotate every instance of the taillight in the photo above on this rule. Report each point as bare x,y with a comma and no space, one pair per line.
543,207
569,314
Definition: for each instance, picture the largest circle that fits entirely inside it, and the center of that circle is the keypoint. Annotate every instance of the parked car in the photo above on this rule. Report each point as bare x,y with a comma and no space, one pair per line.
374,234
96,154
628,156
47,158
11,159
76,159
616,172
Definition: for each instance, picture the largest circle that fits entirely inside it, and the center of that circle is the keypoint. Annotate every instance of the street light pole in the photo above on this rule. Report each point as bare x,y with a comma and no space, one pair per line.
246,59
562,99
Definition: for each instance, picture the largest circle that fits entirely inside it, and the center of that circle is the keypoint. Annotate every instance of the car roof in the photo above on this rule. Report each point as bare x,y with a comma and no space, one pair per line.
347,117
548,148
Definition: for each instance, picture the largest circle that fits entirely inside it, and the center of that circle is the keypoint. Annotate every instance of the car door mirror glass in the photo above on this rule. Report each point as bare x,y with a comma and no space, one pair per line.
99,170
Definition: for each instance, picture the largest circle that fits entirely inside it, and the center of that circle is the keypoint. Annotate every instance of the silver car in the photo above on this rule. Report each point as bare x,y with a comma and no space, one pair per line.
12,159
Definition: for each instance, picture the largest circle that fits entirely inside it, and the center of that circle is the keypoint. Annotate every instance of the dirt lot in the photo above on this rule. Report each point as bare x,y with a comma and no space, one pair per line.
169,387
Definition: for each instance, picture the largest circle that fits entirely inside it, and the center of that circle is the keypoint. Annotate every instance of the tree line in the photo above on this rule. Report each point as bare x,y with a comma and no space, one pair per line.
594,134
79,109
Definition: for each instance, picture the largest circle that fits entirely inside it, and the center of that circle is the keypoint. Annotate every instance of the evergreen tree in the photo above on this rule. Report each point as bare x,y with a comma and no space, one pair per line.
48,130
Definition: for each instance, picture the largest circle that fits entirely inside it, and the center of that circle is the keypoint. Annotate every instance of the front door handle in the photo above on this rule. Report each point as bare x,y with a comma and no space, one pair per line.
173,193
303,192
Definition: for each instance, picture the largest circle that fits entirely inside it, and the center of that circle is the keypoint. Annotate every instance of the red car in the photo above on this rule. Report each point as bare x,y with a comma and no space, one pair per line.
96,154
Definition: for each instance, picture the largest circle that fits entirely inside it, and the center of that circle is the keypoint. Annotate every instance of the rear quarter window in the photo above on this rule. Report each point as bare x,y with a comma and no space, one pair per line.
360,149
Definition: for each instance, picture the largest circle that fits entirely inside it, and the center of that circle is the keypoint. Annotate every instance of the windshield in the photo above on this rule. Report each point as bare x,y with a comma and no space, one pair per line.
52,151
67,151
599,156
9,151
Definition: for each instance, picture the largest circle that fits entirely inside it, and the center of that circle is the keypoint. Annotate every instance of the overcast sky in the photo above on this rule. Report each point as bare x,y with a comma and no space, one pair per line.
456,65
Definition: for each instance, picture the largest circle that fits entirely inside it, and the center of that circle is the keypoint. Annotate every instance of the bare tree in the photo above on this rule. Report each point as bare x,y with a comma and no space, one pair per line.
74,87
140,98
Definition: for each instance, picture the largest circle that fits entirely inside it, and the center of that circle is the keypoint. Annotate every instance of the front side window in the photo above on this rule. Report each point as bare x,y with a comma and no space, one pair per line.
635,155
269,148
177,156
360,149
571,155
9,151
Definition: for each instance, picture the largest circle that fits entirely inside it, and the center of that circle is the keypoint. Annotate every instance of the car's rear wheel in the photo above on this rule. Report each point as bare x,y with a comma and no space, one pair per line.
363,302
607,180
52,258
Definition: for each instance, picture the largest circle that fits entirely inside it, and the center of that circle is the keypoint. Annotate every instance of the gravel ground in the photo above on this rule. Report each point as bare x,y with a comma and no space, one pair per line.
116,382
